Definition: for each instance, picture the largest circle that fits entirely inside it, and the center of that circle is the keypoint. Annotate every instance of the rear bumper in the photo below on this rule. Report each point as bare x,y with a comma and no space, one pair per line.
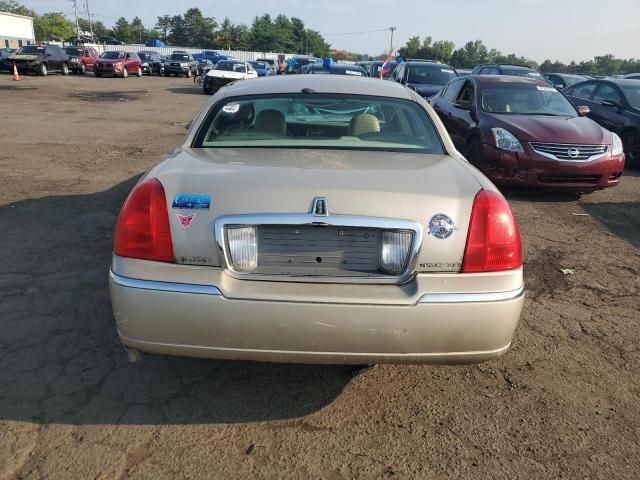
532,170
200,320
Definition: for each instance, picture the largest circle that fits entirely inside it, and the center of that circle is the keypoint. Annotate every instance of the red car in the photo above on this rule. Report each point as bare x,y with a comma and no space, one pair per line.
118,64
523,132
81,59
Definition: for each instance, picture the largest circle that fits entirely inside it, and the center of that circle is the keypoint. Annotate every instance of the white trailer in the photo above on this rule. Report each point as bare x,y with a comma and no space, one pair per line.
15,30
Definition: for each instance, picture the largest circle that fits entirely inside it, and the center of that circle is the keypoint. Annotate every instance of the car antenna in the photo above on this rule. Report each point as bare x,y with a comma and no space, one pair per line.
308,90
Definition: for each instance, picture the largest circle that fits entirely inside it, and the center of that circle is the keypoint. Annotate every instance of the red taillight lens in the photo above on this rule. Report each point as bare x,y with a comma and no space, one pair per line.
493,242
142,229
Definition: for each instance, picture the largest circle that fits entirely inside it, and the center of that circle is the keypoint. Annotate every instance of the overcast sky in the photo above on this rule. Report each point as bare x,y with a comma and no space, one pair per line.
538,29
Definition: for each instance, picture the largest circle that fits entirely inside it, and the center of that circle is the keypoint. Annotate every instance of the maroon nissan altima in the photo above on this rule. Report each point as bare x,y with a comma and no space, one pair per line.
523,132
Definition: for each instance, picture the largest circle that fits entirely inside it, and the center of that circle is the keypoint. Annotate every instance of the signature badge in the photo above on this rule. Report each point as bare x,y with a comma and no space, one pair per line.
191,201
441,226
185,220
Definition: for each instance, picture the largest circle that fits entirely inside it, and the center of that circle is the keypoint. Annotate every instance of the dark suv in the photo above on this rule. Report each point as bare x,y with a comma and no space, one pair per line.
513,70
151,62
41,59
426,78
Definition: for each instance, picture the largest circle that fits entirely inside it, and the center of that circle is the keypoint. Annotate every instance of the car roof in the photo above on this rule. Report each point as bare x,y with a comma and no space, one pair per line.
415,63
623,82
523,67
341,84
482,79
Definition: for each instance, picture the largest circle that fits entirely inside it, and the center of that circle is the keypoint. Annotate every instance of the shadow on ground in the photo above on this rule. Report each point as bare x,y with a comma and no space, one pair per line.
61,361
620,218
188,90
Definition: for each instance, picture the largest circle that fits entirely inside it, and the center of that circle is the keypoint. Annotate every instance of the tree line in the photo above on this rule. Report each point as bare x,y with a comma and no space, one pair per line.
475,53
191,29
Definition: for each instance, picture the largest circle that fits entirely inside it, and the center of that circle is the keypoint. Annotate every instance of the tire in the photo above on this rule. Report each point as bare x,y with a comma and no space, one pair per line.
207,90
125,72
65,69
97,74
473,152
83,69
139,72
188,74
42,70
631,143
167,74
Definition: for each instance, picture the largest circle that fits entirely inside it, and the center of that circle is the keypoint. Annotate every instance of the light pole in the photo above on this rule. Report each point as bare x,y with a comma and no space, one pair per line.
75,10
392,29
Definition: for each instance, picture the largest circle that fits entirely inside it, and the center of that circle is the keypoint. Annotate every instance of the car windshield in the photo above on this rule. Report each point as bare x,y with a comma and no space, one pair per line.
259,65
525,99
573,79
522,72
113,55
74,51
144,56
377,67
181,57
337,71
230,67
320,121
632,92
31,50
431,74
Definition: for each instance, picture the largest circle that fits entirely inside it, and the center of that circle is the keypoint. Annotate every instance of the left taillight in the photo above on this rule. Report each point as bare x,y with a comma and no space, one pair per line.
142,228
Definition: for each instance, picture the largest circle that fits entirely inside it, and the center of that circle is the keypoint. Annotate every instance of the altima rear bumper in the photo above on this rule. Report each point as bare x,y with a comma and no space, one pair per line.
199,320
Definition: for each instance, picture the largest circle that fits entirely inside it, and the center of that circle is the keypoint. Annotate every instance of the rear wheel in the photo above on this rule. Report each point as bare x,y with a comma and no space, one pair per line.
188,74
65,69
83,69
631,143
474,152
42,70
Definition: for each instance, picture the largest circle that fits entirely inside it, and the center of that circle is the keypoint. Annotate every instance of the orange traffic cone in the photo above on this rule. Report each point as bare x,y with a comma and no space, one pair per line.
16,77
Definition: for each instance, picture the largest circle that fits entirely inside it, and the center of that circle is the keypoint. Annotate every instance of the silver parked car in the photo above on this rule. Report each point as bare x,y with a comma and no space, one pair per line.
322,219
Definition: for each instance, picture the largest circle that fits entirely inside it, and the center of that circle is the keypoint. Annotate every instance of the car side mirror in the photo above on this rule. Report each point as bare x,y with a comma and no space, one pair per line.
583,110
463,104
610,103
559,86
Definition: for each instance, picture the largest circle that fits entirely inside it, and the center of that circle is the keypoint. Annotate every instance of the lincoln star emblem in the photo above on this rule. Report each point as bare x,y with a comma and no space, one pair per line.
320,208
573,152
441,226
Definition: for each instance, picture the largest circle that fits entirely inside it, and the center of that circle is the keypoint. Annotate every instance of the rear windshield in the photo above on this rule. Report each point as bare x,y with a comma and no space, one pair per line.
31,50
356,72
230,67
113,55
377,67
525,99
431,74
522,72
322,121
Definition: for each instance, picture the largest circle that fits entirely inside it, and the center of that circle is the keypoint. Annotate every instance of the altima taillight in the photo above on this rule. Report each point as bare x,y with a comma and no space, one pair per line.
142,229
493,241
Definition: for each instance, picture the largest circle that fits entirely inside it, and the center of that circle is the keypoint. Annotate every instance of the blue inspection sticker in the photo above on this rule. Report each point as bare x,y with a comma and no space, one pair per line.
191,201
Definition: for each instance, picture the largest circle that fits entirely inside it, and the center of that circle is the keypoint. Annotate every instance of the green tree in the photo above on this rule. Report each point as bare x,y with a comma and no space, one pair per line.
224,36
12,6
122,31
472,54
164,25
52,24
178,35
411,49
200,30
137,29
241,36
442,50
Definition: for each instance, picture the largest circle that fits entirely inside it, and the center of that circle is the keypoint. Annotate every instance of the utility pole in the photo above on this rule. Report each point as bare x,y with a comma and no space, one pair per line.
392,29
86,6
75,10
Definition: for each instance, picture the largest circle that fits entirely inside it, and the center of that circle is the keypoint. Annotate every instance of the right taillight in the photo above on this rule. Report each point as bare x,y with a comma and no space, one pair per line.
142,229
493,241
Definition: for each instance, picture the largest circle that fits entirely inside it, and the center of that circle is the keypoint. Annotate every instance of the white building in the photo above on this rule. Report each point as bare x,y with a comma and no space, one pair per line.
15,30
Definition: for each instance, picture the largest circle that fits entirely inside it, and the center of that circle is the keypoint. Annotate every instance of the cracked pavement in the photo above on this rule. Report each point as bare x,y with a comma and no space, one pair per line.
563,403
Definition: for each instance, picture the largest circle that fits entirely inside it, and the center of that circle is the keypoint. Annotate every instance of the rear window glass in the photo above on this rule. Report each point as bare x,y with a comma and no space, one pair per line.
74,51
521,72
31,50
323,121
113,55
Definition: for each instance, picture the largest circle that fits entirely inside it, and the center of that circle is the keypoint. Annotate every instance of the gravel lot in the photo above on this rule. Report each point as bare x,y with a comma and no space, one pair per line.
563,403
